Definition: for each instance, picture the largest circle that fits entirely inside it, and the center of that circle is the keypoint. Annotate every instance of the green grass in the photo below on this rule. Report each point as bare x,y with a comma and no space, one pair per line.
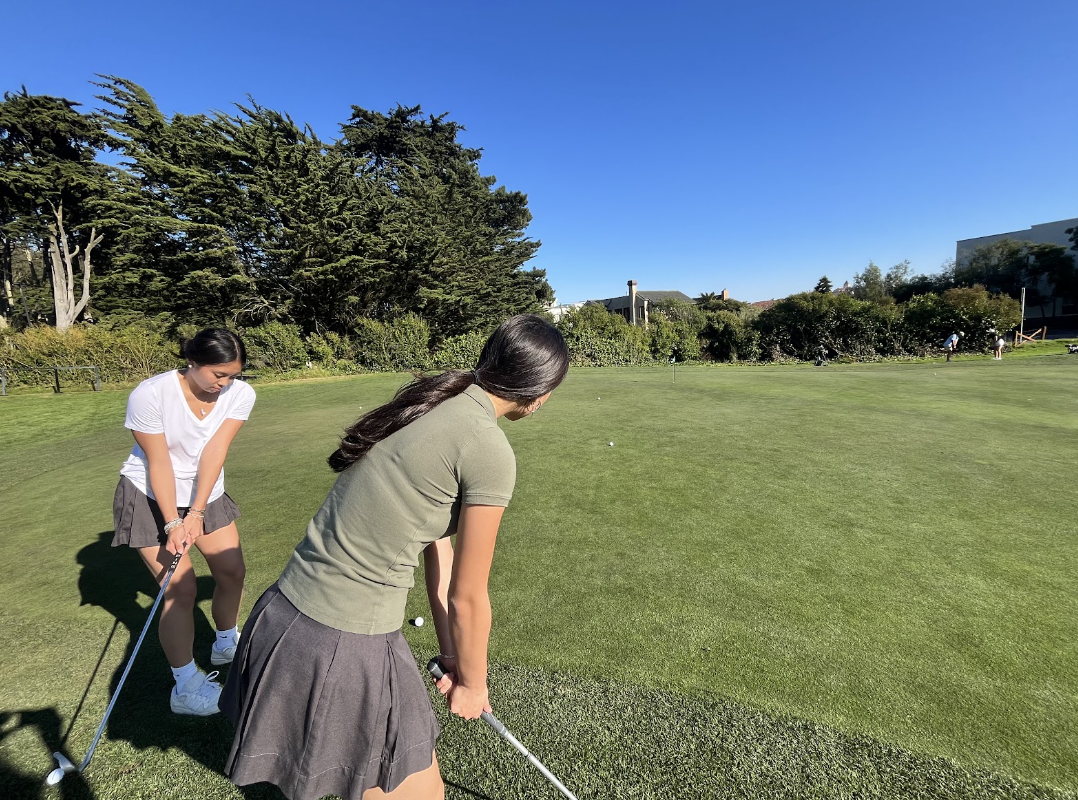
852,581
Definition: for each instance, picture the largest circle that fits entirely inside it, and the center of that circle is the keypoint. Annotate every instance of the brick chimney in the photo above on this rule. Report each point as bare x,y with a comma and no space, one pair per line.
632,302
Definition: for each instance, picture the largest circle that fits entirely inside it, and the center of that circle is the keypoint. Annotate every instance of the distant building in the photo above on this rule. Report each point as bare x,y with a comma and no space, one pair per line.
1044,233
845,288
558,310
636,306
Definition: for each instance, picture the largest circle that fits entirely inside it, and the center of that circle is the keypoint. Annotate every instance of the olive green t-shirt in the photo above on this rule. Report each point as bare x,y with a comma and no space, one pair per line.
353,569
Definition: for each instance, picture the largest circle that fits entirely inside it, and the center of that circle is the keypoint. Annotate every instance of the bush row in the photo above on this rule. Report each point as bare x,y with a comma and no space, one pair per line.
794,328
798,327
133,352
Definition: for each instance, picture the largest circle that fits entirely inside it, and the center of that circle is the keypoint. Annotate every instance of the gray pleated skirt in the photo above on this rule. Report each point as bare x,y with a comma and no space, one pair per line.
139,522
320,711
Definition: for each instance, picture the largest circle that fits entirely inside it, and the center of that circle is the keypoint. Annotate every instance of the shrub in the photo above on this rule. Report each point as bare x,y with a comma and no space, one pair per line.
399,345
275,346
459,352
124,355
332,351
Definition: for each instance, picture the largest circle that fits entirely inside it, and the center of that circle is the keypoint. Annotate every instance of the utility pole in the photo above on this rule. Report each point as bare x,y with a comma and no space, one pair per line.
1022,323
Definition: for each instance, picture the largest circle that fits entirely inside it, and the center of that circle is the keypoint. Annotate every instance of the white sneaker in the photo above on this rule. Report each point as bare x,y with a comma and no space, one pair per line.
199,695
223,655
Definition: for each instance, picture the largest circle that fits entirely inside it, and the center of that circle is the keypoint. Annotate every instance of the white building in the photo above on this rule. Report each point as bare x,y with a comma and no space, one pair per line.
1045,233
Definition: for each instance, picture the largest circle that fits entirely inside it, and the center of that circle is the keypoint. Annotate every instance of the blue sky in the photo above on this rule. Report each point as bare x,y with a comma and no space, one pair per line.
687,145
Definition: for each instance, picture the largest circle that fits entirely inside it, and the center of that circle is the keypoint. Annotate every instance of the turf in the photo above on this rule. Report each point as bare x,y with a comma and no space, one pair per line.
851,581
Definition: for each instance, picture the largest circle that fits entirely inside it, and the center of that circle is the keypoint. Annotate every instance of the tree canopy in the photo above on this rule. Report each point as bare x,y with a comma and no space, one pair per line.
247,217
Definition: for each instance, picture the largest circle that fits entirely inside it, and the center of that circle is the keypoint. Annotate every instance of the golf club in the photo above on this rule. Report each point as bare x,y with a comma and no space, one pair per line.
63,765
436,671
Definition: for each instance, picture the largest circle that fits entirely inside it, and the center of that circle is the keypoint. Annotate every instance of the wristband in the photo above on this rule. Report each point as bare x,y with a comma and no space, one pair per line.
173,524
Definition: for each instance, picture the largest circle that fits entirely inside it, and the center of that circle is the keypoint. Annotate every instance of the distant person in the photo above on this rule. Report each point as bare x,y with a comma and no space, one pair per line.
325,693
950,344
821,356
172,495
999,348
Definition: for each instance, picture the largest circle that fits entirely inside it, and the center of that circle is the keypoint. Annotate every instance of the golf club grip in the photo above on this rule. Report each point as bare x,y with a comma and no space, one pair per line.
436,672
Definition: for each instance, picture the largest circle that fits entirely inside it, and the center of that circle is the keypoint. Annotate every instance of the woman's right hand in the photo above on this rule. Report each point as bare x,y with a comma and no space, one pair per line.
467,702
176,542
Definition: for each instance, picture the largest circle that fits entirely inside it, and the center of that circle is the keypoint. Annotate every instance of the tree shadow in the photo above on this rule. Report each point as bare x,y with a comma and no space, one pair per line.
113,578
17,785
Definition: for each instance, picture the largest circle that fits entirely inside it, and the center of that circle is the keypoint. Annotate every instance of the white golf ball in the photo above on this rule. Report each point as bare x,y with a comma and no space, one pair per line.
54,777
610,445
418,622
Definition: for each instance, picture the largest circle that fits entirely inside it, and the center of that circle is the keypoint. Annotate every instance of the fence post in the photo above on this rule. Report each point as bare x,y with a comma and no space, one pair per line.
56,381
97,379
3,382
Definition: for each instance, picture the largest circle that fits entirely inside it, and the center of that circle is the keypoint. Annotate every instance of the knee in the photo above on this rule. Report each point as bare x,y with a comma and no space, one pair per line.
181,591
231,574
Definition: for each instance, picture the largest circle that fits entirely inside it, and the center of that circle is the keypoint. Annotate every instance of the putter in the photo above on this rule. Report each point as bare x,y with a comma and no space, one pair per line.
63,765
436,671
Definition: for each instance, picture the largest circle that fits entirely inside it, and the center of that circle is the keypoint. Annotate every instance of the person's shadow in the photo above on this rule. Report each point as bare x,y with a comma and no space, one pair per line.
112,578
16,785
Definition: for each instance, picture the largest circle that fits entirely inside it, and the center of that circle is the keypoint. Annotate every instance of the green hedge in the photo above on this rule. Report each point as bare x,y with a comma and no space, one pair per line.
792,329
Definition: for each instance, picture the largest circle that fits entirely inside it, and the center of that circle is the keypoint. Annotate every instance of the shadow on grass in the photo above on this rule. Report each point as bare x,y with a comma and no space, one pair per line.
17,785
465,791
113,578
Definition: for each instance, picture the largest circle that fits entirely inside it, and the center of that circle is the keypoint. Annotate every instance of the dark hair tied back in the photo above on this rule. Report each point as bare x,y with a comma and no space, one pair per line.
524,359
214,346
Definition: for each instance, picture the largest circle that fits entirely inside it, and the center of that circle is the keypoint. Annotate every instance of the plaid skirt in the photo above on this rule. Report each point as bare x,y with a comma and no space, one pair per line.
320,711
140,523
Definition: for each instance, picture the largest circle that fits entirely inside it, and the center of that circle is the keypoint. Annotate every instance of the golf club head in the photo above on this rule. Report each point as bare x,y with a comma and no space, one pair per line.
63,766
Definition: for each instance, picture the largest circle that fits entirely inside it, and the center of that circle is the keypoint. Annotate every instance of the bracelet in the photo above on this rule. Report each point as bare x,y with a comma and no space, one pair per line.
172,524
198,512
443,655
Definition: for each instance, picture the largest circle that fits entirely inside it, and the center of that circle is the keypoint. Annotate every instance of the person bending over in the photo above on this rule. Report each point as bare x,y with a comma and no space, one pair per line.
171,495
325,693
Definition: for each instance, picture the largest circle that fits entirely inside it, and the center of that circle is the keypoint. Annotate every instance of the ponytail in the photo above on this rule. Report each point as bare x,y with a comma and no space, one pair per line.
524,359
412,401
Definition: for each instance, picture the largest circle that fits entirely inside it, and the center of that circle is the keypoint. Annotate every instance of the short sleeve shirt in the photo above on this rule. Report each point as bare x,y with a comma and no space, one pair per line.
158,405
353,569
952,340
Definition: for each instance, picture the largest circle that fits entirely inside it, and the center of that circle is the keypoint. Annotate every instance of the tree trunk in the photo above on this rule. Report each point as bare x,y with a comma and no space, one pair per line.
62,259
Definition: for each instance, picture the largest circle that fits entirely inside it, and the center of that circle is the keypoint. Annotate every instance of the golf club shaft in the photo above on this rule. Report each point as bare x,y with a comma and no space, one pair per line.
435,669
131,660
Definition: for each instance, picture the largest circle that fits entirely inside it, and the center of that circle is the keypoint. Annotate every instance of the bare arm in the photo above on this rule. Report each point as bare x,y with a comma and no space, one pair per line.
469,607
162,480
210,464
437,569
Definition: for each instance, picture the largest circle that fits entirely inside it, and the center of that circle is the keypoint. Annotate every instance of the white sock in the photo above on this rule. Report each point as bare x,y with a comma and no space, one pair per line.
228,638
184,673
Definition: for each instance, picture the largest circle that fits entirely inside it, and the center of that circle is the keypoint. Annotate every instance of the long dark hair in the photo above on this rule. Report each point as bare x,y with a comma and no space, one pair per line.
214,346
523,359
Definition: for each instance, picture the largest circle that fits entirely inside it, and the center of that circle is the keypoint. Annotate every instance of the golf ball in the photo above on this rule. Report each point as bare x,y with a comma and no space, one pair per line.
418,622
54,777
611,444
598,398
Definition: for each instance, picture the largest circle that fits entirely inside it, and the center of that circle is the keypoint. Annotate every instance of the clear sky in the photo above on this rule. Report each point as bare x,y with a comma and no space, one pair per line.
688,145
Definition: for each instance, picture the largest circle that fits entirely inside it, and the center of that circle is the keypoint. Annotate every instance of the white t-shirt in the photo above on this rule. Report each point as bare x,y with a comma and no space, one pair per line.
158,405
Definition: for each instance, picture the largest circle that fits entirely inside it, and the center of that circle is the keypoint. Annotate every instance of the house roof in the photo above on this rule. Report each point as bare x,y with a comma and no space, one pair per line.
618,303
